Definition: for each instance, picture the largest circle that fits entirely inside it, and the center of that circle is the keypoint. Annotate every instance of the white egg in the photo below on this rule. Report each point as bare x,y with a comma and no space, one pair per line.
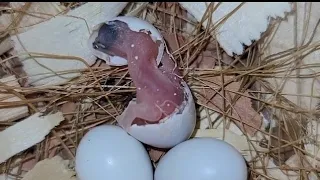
171,130
135,24
108,152
202,159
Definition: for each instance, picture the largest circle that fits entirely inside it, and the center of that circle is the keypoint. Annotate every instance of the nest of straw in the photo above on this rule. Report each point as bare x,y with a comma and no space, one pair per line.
102,92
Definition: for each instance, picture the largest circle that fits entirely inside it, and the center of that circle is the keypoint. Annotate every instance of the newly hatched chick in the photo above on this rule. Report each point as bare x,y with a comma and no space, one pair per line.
159,89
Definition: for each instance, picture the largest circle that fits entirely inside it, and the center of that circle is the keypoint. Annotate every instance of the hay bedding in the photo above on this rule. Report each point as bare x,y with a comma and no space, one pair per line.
236,100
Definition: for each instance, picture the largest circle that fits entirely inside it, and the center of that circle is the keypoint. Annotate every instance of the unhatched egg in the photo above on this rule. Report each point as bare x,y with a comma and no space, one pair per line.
108,152
202,159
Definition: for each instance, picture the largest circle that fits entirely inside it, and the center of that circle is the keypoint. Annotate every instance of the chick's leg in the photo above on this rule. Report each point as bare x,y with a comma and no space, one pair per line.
142,111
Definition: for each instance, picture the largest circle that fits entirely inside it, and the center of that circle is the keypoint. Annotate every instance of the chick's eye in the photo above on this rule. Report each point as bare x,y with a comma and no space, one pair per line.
97,45
160,65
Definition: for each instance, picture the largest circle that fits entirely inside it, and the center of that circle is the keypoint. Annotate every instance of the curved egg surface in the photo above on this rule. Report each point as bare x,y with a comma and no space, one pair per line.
171,130
202,159
108,152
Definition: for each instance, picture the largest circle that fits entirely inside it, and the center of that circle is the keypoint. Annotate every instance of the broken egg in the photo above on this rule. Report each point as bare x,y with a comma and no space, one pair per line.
108,152
171,130
163,113
202,159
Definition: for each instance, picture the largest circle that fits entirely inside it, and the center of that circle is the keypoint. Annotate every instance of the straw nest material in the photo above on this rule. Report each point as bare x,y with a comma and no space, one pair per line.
231,94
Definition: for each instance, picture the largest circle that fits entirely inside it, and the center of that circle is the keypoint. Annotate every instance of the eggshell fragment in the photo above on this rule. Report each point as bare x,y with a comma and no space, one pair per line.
202,159
300,28
51,169
242,27
13,113
170,131
108,152
62,35
26,133
135,24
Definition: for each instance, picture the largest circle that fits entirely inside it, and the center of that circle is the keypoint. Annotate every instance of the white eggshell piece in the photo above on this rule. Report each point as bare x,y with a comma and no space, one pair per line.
118,60
202,159
62,35
12,113
49,169
245,25
108,152
135,24
298,28
27,133
170,131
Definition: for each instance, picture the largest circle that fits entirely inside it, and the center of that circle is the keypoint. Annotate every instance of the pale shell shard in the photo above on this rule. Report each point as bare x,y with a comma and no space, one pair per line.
26,133
170,131
62,35
244,25
298,26
54,168
13,113
135,24
34,14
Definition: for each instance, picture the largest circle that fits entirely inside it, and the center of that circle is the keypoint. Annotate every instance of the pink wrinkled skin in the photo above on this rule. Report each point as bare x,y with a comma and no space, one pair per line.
159,89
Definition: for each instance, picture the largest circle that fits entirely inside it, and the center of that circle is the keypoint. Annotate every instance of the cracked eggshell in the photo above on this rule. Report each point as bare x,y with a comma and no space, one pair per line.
172,130
135,24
